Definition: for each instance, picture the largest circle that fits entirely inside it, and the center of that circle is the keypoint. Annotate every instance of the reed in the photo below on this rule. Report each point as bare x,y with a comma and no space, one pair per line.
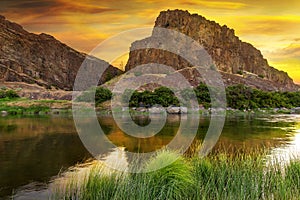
218,176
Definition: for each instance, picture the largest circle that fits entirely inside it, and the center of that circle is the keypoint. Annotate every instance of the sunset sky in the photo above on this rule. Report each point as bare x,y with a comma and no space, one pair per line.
271,26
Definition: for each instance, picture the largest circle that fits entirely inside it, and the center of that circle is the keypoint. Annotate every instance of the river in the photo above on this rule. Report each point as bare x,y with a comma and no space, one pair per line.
34,150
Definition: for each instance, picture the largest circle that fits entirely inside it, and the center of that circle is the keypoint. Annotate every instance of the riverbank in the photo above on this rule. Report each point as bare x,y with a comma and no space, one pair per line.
24,106
241,99
218,176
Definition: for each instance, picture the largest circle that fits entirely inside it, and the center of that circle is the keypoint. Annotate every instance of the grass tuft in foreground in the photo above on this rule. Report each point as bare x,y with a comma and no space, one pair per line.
220,176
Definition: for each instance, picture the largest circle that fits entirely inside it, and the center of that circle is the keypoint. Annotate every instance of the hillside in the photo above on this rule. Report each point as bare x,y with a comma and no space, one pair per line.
238,62
41,59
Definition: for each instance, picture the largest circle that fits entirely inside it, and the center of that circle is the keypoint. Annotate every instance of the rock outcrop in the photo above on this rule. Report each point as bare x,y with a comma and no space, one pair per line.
41,59
238,62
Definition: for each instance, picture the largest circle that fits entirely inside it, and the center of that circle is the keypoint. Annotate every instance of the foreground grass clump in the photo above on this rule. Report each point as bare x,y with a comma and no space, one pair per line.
225,177
174,181
220,176
293,175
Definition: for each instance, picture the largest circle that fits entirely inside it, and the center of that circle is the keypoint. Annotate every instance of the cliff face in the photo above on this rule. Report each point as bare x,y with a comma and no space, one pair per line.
41,59
230,55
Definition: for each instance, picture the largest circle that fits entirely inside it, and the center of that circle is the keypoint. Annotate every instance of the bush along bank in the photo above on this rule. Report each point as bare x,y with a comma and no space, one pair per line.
240,98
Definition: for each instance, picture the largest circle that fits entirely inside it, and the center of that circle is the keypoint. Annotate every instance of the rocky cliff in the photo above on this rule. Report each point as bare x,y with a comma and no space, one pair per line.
41,59
238,62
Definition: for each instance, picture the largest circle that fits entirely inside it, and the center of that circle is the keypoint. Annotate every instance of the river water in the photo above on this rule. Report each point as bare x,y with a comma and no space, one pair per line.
35,150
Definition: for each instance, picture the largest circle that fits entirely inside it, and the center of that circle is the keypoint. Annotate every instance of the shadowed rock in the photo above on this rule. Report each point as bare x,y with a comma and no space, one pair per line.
41,59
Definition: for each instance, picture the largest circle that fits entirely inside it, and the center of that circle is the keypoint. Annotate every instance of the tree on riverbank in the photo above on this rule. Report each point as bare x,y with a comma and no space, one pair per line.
238,97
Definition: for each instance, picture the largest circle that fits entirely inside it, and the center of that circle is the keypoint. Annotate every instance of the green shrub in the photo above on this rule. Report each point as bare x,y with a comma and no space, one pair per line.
238,97
10,94
203,95
244,97
2,94
101,95
162,96
165,97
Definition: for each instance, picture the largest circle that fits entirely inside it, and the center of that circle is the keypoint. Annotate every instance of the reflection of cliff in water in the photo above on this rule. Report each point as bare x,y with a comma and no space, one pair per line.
33,150
239,134
36,149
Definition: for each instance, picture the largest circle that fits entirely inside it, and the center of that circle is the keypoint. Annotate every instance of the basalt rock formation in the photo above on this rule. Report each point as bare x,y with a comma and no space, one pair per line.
238,62
41,59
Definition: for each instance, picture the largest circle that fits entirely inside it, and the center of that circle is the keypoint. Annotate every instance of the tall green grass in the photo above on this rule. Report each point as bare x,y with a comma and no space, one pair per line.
219,176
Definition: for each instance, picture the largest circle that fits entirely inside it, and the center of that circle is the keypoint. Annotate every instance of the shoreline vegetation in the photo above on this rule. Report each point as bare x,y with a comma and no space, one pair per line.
240,99
217,176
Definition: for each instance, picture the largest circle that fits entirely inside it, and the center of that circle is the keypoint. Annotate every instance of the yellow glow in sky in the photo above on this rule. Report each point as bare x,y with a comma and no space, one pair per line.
271,26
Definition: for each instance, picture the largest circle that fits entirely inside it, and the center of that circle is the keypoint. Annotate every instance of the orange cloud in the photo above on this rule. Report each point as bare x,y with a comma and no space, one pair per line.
216,4
270,26
292,51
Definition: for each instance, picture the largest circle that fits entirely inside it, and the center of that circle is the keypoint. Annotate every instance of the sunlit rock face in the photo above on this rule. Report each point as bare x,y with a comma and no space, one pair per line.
41,59
238,62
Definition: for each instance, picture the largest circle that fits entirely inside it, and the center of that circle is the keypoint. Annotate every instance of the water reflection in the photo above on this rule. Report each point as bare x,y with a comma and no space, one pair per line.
283,155
76,175
33,151
117,159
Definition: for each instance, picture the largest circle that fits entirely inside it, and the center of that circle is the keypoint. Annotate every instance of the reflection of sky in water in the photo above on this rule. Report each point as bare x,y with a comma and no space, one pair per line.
116,159
284,153
291,151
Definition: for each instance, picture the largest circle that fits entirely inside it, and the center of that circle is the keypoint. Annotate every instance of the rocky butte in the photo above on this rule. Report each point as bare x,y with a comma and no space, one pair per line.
238,62
41,59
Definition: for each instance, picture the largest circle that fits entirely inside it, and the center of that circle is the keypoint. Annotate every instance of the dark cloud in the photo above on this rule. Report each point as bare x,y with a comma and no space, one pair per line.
54,7
14,5
35,4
